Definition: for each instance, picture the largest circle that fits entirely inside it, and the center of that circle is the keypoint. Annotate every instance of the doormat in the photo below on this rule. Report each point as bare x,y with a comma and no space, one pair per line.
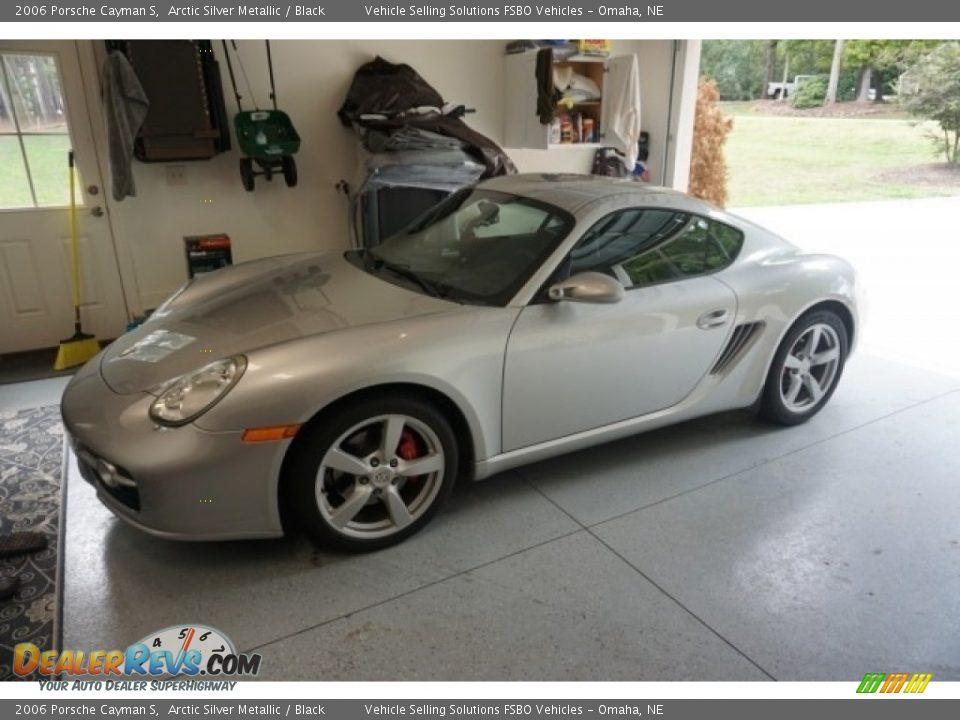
31,469
29,366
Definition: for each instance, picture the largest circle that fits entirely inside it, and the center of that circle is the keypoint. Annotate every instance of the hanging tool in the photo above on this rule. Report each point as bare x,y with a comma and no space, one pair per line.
81,346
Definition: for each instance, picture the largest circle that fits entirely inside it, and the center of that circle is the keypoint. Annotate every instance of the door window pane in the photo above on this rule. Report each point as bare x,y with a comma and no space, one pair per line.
47,156
34,137
14,186
6,110
36,93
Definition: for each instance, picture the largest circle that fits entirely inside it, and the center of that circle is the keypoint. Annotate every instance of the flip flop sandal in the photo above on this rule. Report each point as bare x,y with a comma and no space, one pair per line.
8,586
21,543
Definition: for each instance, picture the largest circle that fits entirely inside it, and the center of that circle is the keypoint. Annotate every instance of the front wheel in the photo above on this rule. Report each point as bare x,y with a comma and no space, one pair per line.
375,473
806,369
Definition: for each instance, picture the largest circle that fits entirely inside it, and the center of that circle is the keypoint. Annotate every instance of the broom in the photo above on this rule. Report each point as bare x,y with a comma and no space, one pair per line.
79,348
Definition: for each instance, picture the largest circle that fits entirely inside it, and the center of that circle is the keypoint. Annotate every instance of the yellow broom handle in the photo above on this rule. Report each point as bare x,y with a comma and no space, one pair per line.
74,253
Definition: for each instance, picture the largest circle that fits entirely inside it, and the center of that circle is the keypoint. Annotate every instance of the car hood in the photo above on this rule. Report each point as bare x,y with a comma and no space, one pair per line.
253,305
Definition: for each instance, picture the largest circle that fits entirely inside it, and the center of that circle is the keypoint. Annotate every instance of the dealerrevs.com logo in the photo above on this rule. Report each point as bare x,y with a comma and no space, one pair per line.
189,650
894,683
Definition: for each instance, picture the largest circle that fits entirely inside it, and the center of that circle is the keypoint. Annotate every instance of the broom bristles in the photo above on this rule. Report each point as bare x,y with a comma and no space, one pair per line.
75,351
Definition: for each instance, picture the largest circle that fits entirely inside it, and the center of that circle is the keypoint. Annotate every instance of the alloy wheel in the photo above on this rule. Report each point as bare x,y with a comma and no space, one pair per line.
810,368
379,476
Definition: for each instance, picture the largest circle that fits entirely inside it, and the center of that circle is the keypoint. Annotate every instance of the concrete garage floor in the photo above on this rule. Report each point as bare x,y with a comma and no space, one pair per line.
721,549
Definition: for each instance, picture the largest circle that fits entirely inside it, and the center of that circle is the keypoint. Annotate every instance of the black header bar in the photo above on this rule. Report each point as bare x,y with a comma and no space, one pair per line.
579,11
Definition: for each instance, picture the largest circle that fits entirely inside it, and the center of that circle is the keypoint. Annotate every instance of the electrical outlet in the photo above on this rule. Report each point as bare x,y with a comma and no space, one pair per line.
176,174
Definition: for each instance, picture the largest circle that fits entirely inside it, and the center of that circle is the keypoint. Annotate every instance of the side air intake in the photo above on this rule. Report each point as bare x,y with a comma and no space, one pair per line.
741,338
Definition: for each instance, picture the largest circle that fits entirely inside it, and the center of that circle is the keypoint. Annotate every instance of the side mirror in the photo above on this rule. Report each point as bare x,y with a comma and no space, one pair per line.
587,287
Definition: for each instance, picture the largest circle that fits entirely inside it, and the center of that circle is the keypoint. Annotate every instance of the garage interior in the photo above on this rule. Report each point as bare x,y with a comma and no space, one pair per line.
718,549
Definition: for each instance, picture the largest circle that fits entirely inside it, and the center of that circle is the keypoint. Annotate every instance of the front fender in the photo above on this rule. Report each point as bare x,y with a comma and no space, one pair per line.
459,354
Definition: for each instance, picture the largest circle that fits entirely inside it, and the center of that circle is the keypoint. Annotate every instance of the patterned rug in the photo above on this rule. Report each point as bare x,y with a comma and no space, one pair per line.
31,464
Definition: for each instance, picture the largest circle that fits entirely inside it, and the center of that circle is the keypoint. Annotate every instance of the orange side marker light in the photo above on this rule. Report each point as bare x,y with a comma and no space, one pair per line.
270,434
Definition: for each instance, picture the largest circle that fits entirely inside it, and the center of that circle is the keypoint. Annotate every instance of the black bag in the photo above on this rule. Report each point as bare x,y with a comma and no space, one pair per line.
608,163
380,87
383,88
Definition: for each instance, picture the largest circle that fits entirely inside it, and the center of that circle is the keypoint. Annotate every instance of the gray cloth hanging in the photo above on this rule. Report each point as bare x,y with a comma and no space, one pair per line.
125,106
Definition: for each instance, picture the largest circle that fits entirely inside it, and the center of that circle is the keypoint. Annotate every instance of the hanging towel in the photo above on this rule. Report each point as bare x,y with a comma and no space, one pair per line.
546,93
623,105
125,106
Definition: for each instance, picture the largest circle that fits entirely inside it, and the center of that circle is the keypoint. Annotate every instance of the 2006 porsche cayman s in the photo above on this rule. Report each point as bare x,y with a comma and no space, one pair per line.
522,318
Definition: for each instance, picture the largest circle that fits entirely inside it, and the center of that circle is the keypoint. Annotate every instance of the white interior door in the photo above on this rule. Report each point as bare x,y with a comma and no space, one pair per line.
43,113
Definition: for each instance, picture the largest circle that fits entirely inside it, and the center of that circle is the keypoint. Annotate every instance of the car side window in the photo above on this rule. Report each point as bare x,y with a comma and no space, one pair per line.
641,247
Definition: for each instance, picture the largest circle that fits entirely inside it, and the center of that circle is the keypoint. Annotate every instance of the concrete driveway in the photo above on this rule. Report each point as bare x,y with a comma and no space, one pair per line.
907,253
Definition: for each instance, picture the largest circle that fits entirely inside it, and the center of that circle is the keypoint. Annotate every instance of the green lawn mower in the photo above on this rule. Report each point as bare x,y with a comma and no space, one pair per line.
266,137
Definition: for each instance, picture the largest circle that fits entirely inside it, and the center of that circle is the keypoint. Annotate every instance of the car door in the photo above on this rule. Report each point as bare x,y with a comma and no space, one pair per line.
572,367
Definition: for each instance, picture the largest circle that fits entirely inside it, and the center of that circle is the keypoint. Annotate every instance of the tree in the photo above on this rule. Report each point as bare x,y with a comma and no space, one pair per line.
770,65
708,165
936,81
866,56
808,57
737,67
834,81
879,61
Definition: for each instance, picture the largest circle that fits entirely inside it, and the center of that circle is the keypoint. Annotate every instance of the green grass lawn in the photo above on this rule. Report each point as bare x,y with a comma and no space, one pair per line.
774,160
48,167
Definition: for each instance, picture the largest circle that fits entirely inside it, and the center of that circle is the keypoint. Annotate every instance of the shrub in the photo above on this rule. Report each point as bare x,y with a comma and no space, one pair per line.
708,166
936,96
810,94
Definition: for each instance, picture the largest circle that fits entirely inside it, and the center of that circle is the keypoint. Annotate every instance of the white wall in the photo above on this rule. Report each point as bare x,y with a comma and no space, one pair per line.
312,78
680,150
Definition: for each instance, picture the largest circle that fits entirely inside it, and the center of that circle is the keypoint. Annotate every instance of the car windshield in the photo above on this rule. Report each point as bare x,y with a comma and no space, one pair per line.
477,247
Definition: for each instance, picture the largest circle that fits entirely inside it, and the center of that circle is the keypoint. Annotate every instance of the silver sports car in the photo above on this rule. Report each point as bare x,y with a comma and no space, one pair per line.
523,318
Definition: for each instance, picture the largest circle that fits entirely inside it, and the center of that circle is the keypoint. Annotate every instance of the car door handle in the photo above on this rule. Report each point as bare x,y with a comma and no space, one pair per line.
712,319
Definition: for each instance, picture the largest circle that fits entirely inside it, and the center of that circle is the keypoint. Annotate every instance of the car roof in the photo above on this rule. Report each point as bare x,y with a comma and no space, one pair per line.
575,193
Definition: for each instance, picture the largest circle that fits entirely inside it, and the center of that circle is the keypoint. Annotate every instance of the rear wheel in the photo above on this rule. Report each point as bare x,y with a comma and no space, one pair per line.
375,473
805,369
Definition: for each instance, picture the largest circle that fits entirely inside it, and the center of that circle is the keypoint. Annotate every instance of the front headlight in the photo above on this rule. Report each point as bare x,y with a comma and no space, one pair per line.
191,395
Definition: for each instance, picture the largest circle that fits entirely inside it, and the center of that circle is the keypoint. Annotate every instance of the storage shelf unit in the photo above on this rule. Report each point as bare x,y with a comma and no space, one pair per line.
523,128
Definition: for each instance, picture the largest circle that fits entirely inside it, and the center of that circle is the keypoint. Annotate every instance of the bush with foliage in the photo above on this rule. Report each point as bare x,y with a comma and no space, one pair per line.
810,94
935,81
708,166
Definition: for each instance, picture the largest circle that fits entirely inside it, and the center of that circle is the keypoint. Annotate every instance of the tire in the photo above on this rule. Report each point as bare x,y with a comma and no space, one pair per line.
352,495
246,174
798,386
289,170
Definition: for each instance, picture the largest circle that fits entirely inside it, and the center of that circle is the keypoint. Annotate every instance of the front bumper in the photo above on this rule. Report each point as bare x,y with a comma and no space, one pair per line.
180,483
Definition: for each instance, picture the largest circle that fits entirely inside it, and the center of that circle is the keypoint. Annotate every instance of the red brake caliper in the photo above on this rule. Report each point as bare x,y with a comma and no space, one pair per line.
409,447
